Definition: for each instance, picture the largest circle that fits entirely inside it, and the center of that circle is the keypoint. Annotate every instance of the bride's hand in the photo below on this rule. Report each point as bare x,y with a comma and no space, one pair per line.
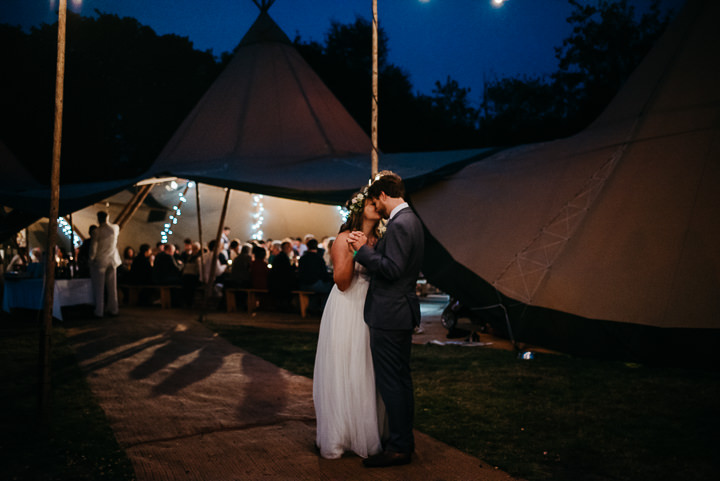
357,239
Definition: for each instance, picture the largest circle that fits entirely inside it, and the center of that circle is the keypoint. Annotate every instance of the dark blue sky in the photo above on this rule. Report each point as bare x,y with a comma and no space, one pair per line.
469,40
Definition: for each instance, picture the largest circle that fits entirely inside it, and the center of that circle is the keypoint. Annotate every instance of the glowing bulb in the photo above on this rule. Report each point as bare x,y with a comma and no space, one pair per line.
498,3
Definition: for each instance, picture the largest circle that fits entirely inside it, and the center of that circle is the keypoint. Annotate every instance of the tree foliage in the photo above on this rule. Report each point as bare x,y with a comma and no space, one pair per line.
408,122
607,43
126,91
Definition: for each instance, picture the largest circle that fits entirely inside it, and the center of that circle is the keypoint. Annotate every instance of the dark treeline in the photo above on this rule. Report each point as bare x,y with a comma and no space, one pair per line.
127,89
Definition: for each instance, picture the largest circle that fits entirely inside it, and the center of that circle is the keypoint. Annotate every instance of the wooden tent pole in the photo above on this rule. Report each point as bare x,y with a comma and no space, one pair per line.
46,329
199,218
374,119
134,204
211,277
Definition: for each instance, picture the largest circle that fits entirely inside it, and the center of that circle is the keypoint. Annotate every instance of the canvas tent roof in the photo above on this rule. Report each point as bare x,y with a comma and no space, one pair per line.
620,222
269,124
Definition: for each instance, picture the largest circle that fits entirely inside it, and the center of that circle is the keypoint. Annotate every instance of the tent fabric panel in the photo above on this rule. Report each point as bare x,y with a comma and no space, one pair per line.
628,251
628,191
563,331
493,198
269,105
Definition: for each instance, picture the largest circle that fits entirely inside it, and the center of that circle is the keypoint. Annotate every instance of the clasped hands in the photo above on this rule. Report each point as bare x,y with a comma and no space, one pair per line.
356,240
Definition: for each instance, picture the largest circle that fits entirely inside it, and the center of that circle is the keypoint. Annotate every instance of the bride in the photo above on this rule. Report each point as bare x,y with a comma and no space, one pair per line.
347,409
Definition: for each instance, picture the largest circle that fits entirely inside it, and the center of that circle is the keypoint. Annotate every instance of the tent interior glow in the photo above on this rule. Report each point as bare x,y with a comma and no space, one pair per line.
280,217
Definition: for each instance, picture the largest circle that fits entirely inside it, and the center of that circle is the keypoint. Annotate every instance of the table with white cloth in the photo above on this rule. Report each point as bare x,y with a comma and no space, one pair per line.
28,294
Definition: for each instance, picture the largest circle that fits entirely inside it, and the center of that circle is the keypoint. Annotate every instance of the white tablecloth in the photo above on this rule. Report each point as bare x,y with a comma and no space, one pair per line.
28,294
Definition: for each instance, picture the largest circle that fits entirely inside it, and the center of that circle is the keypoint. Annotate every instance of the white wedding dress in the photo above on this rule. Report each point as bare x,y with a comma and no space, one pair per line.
346,405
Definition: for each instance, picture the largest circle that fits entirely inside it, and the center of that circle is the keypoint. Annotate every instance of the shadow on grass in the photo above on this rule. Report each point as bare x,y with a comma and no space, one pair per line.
78,444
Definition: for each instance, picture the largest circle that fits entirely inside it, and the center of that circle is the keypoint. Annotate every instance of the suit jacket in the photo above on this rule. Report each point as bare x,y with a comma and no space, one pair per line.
394,266
103,248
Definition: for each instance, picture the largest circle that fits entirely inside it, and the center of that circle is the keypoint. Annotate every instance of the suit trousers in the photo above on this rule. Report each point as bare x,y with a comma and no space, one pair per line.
391,361
104,279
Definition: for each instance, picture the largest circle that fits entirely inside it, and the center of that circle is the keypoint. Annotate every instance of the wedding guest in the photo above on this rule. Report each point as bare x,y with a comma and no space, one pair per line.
239,275
83,256
128,256
220,267
275,249
104,260
187,250
123,273
141,267
283,277
225,244
259,270
313,274
20,261
191,274
165,267
36,255
329,241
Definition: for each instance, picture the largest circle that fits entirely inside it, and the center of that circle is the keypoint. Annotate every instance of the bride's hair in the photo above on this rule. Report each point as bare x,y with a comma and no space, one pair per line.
356,206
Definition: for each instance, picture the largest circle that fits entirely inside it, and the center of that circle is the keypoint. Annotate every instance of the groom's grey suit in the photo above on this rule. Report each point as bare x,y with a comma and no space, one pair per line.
392,310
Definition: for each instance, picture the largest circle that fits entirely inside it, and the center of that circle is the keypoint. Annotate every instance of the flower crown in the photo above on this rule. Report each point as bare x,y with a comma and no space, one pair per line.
357,203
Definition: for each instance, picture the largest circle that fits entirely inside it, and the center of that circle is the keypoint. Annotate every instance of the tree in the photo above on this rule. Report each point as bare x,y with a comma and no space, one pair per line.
126,92
606,45
520,111
407,122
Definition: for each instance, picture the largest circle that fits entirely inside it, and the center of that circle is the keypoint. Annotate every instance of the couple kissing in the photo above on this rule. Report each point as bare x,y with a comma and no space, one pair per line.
362,385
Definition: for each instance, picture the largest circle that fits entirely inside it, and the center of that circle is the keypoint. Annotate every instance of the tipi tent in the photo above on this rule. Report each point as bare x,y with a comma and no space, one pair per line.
269,124
619,224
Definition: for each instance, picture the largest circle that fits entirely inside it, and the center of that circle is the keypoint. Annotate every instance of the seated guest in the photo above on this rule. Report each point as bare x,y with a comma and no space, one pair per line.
239,275
313,273
259,270
165,268
187,251
141,271
283,278
220,268
123,270
275,249
191,274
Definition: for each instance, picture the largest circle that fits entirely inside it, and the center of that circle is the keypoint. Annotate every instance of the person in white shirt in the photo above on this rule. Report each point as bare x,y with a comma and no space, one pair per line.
104,260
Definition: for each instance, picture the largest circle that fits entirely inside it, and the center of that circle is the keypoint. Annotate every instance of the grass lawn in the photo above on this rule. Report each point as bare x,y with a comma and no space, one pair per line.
78,444
551,418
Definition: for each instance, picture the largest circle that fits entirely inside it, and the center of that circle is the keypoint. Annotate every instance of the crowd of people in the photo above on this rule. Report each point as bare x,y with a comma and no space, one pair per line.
279,266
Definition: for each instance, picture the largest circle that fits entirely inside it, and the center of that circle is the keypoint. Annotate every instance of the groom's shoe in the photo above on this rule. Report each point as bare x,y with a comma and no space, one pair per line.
387,458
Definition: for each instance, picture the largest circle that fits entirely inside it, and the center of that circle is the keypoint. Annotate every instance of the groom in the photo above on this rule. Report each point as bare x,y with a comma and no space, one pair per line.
392,311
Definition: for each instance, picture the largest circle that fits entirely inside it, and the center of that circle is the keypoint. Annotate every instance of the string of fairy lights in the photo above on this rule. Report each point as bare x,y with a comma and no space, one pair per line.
344,213
177,210
68,231
258,217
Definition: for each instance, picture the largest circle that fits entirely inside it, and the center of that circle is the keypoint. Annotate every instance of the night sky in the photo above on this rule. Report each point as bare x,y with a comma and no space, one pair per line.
468,40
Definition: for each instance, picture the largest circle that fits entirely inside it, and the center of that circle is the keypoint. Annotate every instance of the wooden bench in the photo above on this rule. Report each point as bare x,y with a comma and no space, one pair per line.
135,289
252,299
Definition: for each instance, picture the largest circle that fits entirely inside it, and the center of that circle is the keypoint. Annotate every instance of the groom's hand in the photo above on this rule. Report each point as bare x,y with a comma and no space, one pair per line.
357,239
